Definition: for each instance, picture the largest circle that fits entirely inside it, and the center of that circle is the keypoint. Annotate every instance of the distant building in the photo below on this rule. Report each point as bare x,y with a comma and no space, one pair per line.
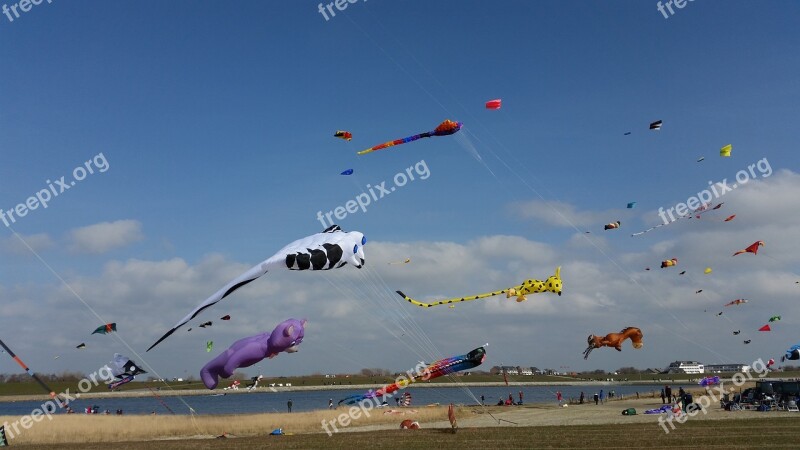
685,367
720,368
510,370
526,371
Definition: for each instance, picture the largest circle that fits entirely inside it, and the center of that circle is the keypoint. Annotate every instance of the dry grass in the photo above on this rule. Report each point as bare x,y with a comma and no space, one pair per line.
82,428
772,433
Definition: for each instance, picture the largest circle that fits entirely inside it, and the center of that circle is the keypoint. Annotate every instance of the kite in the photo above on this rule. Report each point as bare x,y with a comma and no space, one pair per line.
656,125
719,313
409,424
551,284
331,249
105,329
251,350
405,399
205,324
682,273
752,248
64,404
627,133
405,261
738,301
81,346
698,291
701,158
434,370
614,340
631,205
209,346
709,381
669,262
612,225
774,318
347,172
792,354
494,104
225,317
765,328
748,341
737,332
445,128
124,370
729,218
704,208
770,363
726,151
346,135
707,270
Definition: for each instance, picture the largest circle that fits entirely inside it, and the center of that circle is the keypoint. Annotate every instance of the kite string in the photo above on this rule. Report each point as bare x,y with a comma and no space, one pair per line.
93,312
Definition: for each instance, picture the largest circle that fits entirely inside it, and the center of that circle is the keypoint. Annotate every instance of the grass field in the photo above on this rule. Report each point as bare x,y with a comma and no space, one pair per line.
773,433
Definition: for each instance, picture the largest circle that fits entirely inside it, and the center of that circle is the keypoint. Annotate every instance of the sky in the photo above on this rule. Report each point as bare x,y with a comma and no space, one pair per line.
199,138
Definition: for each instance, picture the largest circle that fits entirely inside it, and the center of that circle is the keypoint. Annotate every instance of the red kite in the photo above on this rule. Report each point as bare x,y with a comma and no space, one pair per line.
494,104
765,328
753,248
729,218
226,317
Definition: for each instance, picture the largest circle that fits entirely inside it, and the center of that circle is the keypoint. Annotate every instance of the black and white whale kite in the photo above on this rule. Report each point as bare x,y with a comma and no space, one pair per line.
333,248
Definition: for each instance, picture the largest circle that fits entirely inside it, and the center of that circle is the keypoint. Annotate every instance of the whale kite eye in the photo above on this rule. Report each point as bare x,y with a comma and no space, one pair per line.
355,248
363,240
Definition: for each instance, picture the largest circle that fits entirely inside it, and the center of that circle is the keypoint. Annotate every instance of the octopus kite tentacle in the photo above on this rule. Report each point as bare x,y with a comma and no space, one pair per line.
552,284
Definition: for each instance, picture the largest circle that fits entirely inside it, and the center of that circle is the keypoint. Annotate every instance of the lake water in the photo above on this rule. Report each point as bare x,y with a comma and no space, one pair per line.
265,401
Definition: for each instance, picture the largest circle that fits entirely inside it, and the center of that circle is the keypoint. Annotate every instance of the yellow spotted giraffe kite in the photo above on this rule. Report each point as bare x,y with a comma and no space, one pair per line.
552,284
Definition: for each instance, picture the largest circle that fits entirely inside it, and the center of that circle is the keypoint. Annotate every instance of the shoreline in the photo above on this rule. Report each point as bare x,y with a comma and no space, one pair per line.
205,392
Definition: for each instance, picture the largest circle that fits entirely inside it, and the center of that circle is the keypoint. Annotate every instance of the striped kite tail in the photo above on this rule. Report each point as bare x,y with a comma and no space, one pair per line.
452,300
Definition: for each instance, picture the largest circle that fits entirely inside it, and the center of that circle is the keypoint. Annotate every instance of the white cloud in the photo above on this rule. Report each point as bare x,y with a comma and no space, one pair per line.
105,236
38,242
357,320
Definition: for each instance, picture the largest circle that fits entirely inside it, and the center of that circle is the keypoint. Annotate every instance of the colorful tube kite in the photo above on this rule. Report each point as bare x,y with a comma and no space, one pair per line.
752,248
250,350
435,370
552,284
331,249
445,128
105,329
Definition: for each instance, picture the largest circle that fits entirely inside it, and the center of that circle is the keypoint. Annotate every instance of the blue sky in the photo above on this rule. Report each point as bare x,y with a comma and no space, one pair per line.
216,122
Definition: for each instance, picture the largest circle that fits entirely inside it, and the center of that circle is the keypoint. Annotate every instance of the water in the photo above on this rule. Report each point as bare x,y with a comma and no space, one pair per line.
264,401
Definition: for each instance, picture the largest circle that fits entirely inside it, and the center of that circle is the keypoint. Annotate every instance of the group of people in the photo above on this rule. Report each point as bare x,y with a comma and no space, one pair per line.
667,395
507,402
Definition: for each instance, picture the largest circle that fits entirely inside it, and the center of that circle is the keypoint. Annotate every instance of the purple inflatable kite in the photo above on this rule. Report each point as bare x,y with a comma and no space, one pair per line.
250,350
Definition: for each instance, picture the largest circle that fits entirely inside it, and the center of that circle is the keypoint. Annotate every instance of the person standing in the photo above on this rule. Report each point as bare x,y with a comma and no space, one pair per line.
668,393
596,398
330,404
289,405
520,397
663,397
602,396
482,400
559,397
581,399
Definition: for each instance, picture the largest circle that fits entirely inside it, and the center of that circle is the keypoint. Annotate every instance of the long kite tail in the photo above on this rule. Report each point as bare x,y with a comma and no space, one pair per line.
456,299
